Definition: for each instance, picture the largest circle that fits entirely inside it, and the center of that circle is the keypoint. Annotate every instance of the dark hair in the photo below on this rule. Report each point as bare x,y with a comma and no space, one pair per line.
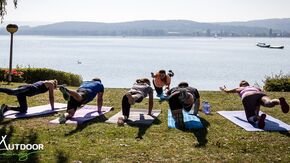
170,73
97,79
143,80
183,84
183,95
244,83
162,71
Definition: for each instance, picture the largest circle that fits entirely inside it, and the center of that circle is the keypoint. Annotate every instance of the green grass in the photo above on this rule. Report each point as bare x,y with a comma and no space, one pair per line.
95,141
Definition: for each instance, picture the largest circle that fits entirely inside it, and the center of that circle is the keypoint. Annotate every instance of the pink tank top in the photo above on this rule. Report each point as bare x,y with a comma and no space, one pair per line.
249,90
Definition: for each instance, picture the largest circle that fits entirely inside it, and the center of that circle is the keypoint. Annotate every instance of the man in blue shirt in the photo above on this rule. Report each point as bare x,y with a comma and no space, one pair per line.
83,95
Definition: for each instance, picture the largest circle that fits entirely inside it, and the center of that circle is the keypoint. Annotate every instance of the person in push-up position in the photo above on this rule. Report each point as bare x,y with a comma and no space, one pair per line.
252,98
83,95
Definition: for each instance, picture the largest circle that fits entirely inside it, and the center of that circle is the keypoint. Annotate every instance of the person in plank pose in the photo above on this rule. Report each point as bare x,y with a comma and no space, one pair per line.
83,95
140,89
183,97
161,79
28,90
252,98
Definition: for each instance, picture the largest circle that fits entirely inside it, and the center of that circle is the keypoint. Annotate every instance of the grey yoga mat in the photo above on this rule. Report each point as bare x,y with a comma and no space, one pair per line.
86,113
239,118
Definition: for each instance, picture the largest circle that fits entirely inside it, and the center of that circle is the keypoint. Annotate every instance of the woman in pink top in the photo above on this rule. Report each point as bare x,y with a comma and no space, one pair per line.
252,98
161,79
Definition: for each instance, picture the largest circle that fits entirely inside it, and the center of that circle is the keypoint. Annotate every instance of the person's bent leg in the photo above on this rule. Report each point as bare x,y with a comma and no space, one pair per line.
252,107
267,102
158,90
176,110
125,107
22,108
72,106
284,105
14,92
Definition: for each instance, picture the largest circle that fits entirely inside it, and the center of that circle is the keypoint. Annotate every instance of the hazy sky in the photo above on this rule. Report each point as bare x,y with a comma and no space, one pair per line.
128,10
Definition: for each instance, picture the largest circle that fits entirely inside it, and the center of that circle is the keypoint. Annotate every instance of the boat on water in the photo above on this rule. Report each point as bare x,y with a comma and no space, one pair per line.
276,47
263,45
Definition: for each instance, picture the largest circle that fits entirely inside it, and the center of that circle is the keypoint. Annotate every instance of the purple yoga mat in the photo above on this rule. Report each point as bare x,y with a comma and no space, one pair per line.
35,111
84,114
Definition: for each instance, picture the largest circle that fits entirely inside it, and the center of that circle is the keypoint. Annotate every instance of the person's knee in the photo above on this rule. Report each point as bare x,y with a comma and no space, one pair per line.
269,104
70,113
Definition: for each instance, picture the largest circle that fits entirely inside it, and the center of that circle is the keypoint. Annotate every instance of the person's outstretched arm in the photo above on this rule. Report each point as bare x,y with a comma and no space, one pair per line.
100,100
224,89
150,103
51,94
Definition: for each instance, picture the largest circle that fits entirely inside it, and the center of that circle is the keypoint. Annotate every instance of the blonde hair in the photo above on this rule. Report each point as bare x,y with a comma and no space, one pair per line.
54,82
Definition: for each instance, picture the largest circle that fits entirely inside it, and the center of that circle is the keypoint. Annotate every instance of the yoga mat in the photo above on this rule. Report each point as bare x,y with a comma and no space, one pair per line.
239,118
190,121
137,116
35,111
86,113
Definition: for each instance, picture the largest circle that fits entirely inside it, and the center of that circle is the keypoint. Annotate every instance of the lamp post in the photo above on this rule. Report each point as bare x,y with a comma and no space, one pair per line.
11,28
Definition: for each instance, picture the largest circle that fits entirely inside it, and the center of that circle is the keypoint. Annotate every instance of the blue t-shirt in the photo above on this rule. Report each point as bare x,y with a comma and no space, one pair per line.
93,88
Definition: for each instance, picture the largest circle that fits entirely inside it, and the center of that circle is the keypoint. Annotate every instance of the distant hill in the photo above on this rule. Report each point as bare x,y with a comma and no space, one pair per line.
280,27
276,24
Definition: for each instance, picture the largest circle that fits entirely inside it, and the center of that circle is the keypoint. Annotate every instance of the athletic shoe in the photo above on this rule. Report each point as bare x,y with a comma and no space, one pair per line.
3,109
284,105
170,73
65,93
62,119
261,123
120,121
178,116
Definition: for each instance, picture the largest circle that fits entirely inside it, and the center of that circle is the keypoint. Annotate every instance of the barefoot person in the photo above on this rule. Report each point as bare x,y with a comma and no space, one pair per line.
161,79
181,98
252,98
83,95
136,94
29,90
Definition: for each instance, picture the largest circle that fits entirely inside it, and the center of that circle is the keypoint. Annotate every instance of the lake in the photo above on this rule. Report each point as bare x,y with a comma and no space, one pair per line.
205,63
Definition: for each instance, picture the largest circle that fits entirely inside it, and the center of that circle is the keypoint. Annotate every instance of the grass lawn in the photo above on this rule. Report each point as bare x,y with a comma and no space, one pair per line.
95,141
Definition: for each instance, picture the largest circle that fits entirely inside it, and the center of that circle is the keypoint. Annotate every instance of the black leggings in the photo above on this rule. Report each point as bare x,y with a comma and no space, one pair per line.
158,90
251,102
21,94
126,106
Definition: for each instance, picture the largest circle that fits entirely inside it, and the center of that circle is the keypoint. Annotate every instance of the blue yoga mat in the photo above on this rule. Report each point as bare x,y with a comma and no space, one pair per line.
190,121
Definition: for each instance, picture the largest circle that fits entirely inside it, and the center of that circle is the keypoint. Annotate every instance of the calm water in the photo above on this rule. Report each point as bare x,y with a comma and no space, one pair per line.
206,63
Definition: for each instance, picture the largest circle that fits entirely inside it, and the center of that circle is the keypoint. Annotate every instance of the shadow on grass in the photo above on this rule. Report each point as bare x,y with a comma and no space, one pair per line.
6,122
14,155
80,127
286,133
201,133
61,157
142,128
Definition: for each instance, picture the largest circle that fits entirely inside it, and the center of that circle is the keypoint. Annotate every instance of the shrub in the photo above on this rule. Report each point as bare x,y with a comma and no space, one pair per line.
31,75
277,83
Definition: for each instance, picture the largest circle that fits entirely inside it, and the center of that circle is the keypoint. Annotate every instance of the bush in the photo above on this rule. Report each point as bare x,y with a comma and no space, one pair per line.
277,83
31,75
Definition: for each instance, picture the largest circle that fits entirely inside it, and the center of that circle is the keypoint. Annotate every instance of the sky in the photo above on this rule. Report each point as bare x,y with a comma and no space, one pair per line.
130,10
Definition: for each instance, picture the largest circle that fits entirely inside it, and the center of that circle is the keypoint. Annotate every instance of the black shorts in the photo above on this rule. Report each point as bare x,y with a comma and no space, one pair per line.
174,102
251,102
73,103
